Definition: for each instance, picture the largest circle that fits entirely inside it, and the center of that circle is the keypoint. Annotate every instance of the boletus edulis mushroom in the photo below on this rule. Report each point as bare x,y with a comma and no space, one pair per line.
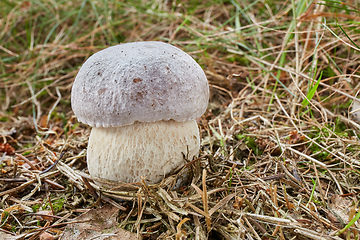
141,99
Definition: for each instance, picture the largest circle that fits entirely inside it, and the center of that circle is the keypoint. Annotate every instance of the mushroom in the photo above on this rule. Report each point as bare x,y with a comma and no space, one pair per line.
356,110
141,99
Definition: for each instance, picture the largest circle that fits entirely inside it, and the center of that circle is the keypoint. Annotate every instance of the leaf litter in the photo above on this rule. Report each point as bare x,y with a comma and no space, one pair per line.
270,166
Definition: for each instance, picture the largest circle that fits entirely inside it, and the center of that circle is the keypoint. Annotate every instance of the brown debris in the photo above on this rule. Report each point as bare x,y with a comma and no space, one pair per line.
7,148
97,223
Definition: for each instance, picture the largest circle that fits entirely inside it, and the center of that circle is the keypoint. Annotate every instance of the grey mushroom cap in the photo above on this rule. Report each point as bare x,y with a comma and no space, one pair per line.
140,81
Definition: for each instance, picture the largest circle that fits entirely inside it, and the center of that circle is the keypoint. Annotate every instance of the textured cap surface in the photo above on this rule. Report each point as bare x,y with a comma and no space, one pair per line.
140,81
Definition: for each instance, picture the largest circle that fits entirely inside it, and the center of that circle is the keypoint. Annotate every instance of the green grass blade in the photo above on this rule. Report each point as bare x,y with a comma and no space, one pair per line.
311,93
348,36
352,222
312,192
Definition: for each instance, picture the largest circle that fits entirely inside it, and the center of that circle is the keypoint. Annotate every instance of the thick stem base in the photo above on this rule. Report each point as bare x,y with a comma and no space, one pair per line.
151,150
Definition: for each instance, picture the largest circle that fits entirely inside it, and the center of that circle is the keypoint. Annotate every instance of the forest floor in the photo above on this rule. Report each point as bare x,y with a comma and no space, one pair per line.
280,149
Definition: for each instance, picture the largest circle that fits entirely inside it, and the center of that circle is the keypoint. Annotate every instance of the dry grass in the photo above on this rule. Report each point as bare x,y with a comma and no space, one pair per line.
280,153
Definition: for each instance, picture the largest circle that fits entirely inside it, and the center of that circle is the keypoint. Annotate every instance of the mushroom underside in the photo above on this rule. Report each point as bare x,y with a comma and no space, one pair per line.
149,150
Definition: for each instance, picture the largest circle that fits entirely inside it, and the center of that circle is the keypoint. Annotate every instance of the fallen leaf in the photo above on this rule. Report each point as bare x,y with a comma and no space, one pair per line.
43,216
17,207
7,148
295,137
6,236
25,5
43,121
100,223
46,236
340,207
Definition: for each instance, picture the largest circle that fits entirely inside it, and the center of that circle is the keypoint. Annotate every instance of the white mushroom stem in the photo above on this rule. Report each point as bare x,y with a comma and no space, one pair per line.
151,150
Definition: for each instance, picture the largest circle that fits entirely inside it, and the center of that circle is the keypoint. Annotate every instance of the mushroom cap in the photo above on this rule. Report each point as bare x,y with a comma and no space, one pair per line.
356,106
139,81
